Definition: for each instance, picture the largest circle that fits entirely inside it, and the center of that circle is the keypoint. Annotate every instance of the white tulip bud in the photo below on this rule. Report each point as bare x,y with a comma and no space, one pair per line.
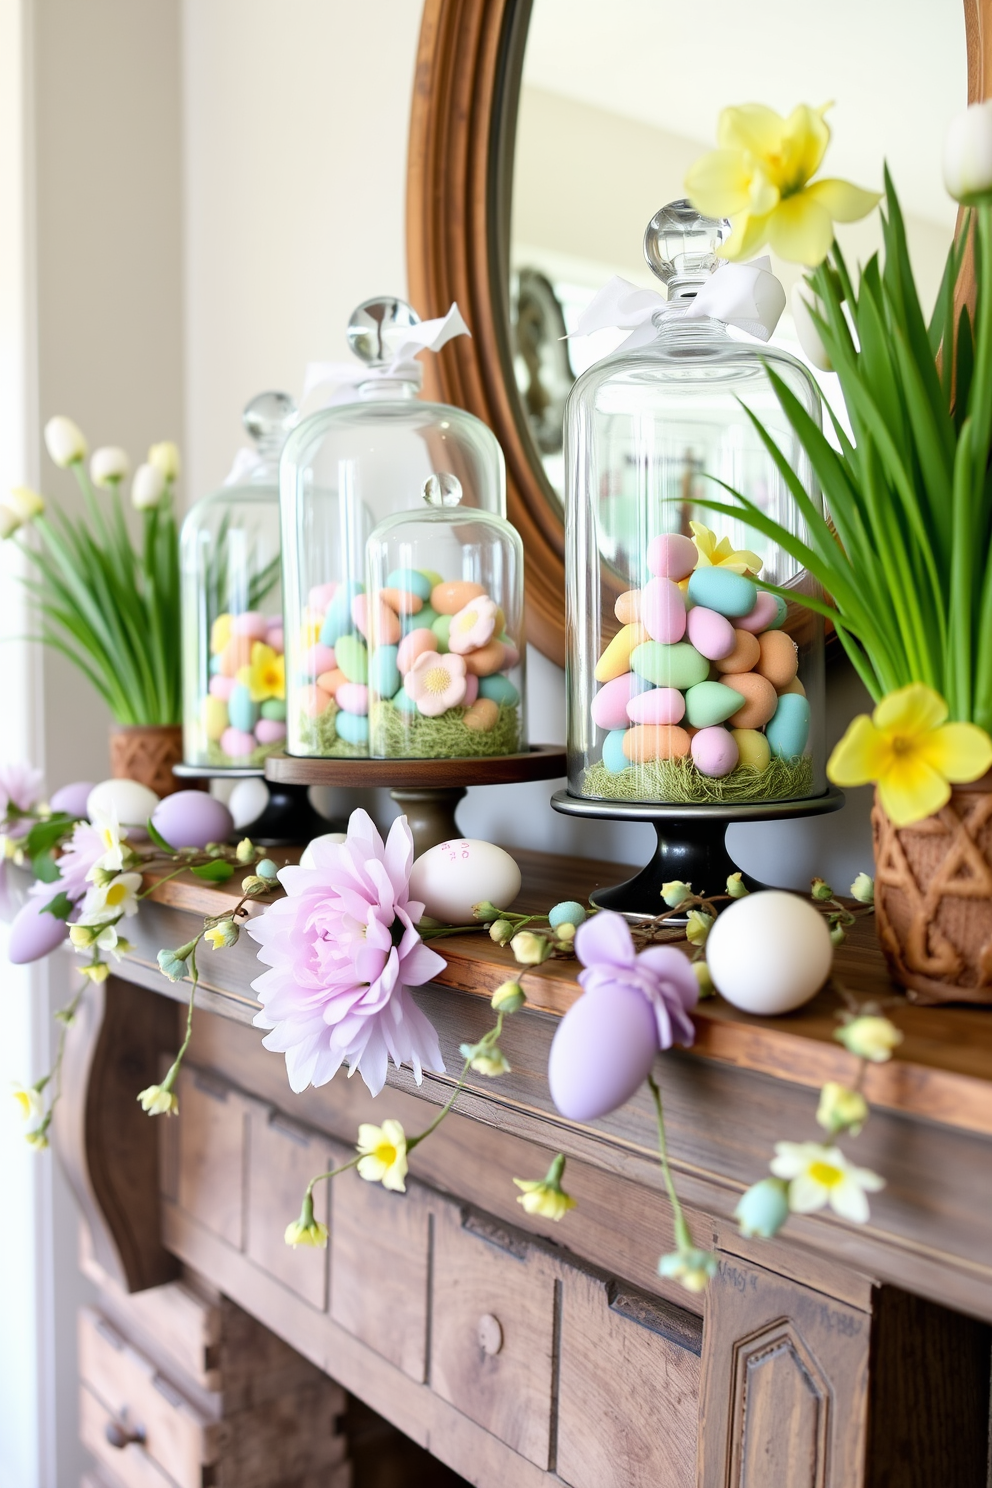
109,466
147,487
165,457
25,504
65,441
804,300
968,154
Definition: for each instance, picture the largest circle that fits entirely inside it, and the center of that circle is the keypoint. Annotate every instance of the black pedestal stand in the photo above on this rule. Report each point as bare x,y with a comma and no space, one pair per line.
287,820
691,847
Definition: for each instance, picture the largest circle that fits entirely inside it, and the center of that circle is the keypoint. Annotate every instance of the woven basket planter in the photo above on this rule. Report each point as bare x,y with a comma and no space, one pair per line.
933,897
147,753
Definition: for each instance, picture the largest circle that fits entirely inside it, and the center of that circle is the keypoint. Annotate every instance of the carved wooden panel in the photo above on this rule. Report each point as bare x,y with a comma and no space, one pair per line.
780,1412
282,1158
211,1153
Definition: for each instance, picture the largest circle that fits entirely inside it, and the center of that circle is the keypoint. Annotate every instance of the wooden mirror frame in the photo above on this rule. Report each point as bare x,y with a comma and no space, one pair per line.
459,181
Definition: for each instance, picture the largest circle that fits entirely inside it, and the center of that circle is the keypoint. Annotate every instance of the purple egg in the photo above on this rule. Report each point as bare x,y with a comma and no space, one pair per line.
660,705
609,706
710,633
672,556
191,818
72,798
714,752
765,611
270,731
319,658
663,611
32,933
603,1050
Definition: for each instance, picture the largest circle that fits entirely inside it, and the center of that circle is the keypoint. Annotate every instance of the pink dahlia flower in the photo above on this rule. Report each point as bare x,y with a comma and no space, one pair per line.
79,857
343,951
20,787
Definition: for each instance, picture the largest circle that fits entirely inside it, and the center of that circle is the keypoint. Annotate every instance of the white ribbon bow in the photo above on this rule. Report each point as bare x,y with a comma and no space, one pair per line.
744,295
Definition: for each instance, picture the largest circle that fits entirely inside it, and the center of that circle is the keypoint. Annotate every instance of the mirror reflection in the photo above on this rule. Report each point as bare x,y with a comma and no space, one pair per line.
617,102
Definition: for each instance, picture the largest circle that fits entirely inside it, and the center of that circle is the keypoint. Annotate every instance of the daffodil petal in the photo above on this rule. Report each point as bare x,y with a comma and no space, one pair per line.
843,201
719,183
751,126
863,755
805,1194
805,140
748,236
959,751
911,790
763,194
800,230
848,1200
915,709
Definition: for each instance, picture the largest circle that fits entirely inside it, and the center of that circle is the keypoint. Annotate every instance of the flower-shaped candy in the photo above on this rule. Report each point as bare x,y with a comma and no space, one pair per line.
473,626
713,554
267,675
436,683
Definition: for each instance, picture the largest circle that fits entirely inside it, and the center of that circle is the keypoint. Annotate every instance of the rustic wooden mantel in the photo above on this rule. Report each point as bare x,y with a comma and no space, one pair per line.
840,1355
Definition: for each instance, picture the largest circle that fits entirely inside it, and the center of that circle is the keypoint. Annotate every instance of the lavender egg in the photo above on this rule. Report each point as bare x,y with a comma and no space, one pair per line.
32,933
72,798
602,1052
191,818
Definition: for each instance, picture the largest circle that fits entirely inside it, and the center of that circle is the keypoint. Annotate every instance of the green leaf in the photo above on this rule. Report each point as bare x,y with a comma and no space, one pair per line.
61,907
45,868
158,839
216,872
46,834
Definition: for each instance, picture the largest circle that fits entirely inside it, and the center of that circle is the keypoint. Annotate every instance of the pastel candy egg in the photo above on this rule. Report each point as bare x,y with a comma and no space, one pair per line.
645,742
663,611
422,620
609,706
441,628
405,703
366,613
331,681
353,728
274,708
487,659
33,933
410,581
338,622
657,705
753,748
71,799
709,703
433,578
192,818
628,607
314,700
252,623
766,614
215,666
615,660
242,712
472,687
220,633
500,689
319,658
353,697
794,686
448,598
614,757
672,556
414,644
512,654
760,700
714,751
402,601
718,589
602,1052
235,655
678,666
482,716
275,637
213,717
352,658
221,687
744,655
710,633
236,744
788,731
384,675
320,597
270,731
779,659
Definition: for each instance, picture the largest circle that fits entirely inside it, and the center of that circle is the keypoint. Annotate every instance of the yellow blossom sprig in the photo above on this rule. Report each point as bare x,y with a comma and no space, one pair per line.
545,1198
687,1263
30,1098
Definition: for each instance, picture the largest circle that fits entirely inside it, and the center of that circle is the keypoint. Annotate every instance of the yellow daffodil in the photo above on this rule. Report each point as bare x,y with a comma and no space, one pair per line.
96,971
159,1100
760,177
383,1150
819,1175
29,1102
546,1198
267,678
713,554
911,752
222,935
118,897
307,1230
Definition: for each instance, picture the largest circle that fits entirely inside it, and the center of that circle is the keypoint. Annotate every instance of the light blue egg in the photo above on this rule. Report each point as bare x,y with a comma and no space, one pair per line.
337,621
613,756
404,702
499,689
788,731
569,912
214,666
241,711
718,589
411,581
441,627
384,674
353,728
783,610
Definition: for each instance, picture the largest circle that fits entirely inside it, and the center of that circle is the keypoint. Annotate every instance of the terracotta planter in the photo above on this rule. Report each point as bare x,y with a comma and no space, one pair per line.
147,753
933,898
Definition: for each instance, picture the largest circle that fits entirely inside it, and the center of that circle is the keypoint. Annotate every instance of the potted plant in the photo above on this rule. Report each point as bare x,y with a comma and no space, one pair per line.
902,551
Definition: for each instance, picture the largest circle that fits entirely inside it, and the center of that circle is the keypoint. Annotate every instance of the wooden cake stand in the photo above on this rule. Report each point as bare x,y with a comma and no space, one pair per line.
428,790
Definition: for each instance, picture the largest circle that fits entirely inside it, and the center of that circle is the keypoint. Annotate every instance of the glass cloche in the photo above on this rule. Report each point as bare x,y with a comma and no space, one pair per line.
443,615
234,688
344,470
683,687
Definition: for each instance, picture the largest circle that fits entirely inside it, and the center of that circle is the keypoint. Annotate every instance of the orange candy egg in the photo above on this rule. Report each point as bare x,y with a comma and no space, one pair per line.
760,701
649,741
628,607
486,660
779,660
402,602
450,597
745,655
331,681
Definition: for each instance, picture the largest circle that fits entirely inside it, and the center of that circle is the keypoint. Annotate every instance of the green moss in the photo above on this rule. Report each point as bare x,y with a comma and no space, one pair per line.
318,736
399,735
216,758
678,782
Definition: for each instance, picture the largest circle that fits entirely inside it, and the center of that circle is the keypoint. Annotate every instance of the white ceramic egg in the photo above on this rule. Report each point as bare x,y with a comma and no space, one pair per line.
134,803
248,800
307,858
769,953
453,876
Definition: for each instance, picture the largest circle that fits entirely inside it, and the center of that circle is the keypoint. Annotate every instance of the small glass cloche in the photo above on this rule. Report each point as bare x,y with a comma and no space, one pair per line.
344,470
234,689
443,614
682,685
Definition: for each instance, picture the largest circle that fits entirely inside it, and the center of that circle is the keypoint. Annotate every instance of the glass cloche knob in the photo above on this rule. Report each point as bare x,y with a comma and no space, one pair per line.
442,489
680,247
269,416
370,326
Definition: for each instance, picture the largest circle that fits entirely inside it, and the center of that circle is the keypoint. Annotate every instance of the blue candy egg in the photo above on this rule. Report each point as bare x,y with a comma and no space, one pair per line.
788,731
613,756
404,702
353,728
384,675
241,711
783,610
718,589
499,689
410,581
337,621
569,912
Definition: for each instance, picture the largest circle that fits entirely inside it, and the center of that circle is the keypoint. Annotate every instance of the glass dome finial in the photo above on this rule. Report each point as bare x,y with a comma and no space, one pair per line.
370,324
680,246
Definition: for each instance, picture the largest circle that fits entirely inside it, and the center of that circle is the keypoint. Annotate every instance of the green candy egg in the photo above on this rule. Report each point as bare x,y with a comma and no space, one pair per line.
498,689
441,627
709,703
404,702
353,659
679,665
274,708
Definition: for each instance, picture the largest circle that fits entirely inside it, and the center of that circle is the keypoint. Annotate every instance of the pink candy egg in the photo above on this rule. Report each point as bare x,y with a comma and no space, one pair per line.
353,697
236,743
714,752
663,611
710,633
764,612
471,689
602,1052
274,637
252,624
270,731
609,706
414,644
222,687
660,705
319,659
320,596
672,556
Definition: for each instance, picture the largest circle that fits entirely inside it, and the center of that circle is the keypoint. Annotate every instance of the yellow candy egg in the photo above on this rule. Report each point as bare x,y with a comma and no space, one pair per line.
213,716
753,748
615,660
220,633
